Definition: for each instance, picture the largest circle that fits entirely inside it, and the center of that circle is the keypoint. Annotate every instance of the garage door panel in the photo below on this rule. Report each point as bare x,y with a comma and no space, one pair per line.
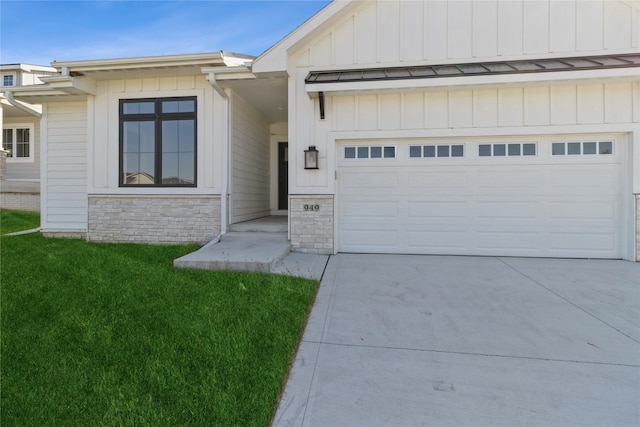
597,244
438,179
513,210
507,241
434,240
583,179
359,182
508,178
424,210
584,210
371,209
361,238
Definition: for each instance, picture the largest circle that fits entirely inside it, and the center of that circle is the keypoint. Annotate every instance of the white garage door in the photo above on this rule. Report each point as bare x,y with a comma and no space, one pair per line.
544,198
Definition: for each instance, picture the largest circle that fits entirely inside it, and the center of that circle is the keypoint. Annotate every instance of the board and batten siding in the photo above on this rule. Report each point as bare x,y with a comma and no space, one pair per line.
104,152
64,198
250,138
391,32
25,170
487,108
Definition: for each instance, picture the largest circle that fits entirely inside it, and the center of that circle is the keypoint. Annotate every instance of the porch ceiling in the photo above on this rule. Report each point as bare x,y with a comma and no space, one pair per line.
267,95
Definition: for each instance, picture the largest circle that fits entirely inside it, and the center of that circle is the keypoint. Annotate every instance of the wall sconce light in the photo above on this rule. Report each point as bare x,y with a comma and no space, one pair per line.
311,158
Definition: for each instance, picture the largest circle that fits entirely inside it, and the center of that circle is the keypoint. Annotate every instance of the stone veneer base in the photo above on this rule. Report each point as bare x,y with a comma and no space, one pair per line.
20,201
153,219
311,228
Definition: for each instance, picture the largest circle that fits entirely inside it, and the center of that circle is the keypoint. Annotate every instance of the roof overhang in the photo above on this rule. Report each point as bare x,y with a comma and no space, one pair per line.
37,94
71,85
487,74
149,66
77,79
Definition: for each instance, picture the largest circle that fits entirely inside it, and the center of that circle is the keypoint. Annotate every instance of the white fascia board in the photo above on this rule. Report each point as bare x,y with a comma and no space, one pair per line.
139,62
274,59
469,82
229,73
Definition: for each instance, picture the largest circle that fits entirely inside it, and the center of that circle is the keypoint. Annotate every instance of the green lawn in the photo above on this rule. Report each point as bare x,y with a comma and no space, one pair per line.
114,335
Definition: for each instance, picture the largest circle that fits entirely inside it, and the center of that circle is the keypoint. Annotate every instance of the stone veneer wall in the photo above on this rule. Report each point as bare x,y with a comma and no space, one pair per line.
311,228
20,201
153,219
19,195
3,163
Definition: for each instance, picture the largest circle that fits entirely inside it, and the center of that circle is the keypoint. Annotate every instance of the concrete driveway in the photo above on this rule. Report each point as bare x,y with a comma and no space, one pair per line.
396,340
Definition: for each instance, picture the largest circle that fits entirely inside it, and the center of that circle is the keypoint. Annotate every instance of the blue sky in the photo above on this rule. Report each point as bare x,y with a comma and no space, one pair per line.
38,32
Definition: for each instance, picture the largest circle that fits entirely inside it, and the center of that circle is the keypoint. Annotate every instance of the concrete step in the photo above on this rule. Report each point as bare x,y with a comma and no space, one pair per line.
269,224
239,251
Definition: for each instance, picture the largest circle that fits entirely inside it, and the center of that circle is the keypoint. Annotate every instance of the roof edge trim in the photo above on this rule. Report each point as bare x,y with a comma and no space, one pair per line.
142,61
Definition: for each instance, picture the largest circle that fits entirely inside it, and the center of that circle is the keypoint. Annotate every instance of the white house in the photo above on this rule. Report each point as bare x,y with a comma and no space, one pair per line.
441,127
20,137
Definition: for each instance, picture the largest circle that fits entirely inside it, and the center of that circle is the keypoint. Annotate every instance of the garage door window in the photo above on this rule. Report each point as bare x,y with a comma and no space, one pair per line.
510,150
440,150
370,152
582,148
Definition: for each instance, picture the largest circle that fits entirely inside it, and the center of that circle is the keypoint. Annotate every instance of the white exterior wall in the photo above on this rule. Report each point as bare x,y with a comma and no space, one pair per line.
392,32
25,169
33,77
103,109
64,174
548,106
250,162
404,33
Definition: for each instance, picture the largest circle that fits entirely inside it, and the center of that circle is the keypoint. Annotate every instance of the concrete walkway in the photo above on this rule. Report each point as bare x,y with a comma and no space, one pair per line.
469,341
261,252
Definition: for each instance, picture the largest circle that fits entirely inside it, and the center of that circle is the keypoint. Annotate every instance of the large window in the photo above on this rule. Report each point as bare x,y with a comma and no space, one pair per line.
17,139
158,142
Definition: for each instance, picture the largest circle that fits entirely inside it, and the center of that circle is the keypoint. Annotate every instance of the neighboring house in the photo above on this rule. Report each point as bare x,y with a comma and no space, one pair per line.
20,188
442,127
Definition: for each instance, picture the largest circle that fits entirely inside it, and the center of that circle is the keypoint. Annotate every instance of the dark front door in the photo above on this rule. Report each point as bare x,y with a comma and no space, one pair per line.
283,175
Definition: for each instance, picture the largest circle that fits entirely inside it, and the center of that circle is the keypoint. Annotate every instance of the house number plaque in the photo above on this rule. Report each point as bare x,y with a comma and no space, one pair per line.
311,207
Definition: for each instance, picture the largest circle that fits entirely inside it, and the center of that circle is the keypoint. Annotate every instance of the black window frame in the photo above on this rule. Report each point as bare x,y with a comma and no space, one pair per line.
157,117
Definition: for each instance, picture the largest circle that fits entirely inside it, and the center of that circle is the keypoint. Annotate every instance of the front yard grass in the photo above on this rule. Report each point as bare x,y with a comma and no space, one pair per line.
98,334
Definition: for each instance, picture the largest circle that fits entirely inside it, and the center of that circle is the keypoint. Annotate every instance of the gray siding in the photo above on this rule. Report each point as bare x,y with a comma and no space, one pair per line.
29,170
65,199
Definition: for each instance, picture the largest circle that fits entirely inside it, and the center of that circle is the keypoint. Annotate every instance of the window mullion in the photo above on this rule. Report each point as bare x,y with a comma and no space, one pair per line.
158,156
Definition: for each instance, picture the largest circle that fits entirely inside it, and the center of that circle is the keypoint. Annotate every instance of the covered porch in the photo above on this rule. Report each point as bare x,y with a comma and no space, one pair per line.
257,149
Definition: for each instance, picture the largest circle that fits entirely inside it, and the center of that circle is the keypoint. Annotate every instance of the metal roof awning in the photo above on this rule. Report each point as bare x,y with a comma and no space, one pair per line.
584,63
622,67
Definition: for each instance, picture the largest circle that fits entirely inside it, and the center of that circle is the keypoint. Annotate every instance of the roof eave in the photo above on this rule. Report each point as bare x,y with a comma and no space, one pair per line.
212,58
